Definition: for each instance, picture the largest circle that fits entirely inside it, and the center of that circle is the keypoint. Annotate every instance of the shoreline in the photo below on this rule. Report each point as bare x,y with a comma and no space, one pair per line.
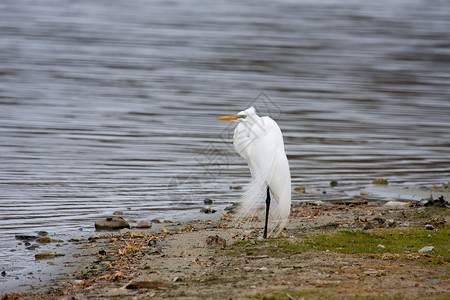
177,262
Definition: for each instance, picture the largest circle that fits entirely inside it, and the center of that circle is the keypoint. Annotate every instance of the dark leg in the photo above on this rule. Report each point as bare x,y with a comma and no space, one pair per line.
267,212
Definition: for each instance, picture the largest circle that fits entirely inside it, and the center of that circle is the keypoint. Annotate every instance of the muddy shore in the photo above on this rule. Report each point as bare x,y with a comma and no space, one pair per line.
327,251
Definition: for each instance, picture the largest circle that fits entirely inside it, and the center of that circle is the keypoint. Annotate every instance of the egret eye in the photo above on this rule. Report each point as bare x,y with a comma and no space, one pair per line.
242,116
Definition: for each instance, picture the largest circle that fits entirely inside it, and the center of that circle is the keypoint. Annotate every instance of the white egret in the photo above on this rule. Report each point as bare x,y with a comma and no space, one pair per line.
259,141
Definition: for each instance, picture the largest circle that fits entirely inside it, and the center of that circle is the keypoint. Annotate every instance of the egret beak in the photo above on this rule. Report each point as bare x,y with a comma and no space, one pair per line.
233,118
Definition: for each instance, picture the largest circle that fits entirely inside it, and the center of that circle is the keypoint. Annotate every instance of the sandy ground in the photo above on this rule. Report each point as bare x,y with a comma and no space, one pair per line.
177,262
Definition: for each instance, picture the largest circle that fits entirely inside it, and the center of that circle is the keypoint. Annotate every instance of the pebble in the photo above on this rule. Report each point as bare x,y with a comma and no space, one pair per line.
44,239
156,221
23,237
111,223
45,255
118,213
33,247
334,183
42,233
426,249
380,180
94,237
124,230
381,246
208,201
143,224
396,204
429,227
263,269
155,243
391,223
300,189
207,210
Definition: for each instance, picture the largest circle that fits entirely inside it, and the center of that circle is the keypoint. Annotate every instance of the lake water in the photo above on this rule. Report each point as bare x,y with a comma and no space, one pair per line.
109,106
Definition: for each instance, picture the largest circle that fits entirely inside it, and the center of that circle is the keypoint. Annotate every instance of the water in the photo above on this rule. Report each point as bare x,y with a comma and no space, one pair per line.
109,106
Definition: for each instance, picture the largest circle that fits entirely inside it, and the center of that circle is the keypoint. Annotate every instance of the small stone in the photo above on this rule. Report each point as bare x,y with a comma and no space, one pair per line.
45,255
381,246
143,224
132,221
215,241
156,221
23,237
207,210
111,223
159,244
177,279
44,239
300,189
74,240
42,233
391,223
124,230
118,213
263,269
208,201
3,273
426,249
33,247
334,183
102,252
396,204
429,227
380,180
94,237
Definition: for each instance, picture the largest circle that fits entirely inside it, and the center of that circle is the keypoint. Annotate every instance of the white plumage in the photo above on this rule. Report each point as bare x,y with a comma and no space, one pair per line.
259,141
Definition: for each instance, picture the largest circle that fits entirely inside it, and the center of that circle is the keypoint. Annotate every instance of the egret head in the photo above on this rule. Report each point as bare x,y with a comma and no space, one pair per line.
241,116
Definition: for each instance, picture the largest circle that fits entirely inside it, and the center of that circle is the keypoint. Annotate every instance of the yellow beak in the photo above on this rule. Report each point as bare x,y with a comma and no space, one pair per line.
228,118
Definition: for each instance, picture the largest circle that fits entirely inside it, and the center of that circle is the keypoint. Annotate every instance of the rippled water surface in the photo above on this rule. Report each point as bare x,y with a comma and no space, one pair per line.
109,106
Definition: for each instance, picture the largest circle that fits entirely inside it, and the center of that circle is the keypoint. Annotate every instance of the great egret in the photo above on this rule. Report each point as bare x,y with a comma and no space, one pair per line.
259,141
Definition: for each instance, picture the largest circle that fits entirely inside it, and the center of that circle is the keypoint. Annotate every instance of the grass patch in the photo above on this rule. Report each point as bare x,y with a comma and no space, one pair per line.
396,241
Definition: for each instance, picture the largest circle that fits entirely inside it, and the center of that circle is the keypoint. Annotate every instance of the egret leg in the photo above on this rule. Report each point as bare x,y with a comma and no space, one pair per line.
267,213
